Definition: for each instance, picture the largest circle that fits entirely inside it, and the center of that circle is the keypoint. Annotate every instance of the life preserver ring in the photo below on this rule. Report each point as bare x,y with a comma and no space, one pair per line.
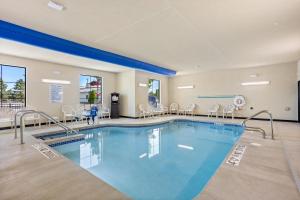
239,101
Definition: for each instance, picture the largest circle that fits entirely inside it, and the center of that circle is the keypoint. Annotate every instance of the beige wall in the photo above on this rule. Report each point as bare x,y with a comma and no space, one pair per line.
38,93
276,97
298,70
126,88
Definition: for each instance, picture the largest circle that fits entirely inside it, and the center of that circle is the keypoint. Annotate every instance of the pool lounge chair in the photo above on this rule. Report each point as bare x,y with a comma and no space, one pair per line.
7,117
34,117
143,112
181,111
80,113
157,111
68,113
190,109
214,110
229,109
103,111
173,108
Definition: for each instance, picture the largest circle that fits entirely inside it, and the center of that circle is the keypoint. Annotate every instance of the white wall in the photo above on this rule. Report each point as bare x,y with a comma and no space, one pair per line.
37,93
126,88
298,70
276,97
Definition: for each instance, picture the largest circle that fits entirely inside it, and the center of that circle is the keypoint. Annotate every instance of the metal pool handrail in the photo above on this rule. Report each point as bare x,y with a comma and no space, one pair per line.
15,121
257,128
46,116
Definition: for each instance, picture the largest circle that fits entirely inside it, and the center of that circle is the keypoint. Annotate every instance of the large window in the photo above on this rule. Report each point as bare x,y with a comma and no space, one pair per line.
153,92
90,90
12,86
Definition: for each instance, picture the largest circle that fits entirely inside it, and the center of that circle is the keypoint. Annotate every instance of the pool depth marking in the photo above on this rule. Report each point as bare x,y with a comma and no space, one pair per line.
45,151
237,154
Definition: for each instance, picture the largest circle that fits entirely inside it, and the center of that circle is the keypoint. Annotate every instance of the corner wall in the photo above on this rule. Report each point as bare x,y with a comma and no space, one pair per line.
277,97
131,94
126,89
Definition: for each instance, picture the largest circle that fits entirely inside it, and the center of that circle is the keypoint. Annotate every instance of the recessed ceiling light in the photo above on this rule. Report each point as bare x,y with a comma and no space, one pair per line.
253,75
55,6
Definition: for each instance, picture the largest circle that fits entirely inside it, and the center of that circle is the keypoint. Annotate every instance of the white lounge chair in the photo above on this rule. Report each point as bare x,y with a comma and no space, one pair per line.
190,109
143,112
79,113
68,113
159,110
7,117
182,109
103,111
214,110
173,108
34,117
229,109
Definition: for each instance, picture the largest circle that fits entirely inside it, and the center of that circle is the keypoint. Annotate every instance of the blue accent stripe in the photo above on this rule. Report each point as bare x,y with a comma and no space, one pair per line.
24,35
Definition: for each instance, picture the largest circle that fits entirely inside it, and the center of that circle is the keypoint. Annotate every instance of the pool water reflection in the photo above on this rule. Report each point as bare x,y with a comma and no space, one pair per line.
168,161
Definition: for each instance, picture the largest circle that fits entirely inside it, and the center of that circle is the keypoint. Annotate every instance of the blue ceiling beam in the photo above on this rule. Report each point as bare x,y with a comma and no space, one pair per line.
28,36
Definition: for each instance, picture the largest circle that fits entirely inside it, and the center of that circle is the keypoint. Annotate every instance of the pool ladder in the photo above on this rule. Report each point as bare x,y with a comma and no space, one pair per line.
262,131
44,115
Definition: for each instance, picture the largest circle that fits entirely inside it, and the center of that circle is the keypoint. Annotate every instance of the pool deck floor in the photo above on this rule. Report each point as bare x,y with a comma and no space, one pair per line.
270,171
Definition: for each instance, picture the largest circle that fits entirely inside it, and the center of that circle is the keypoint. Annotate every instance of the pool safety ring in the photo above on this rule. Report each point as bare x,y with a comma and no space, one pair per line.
239,101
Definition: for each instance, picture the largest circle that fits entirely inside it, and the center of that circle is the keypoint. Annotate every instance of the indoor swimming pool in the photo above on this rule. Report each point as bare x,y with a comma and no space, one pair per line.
174,160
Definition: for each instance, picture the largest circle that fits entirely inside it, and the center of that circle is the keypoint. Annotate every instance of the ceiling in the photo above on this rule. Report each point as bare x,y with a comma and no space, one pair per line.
27,51
183,35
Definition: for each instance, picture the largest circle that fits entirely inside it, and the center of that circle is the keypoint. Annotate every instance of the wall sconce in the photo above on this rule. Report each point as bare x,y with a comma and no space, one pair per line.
186,87
56,81
142,84
256,83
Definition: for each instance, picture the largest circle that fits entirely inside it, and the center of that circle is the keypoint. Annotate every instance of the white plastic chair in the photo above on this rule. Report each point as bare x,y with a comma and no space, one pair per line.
103,111
79,113
165,109
34,117
7,116
159,110
68,113
214,110
173,108
190,109
143,112
229,109
182,109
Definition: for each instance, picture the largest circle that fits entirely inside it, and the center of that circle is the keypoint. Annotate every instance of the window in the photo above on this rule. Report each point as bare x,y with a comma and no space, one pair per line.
12,86
153,92
90,90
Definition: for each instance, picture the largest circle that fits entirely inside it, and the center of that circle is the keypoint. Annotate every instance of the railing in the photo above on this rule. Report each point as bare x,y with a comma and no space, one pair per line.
257,128
46,116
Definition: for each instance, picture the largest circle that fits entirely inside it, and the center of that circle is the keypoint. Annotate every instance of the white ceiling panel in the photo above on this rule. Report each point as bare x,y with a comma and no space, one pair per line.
183,35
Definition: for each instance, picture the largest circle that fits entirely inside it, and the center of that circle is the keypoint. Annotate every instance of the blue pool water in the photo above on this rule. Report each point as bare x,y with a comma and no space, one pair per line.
174,160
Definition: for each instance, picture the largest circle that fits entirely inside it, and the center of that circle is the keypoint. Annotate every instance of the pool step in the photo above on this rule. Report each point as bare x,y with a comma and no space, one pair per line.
63,140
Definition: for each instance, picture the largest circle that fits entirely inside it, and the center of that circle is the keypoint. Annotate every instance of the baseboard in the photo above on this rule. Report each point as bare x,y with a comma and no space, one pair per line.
262,119
124,116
